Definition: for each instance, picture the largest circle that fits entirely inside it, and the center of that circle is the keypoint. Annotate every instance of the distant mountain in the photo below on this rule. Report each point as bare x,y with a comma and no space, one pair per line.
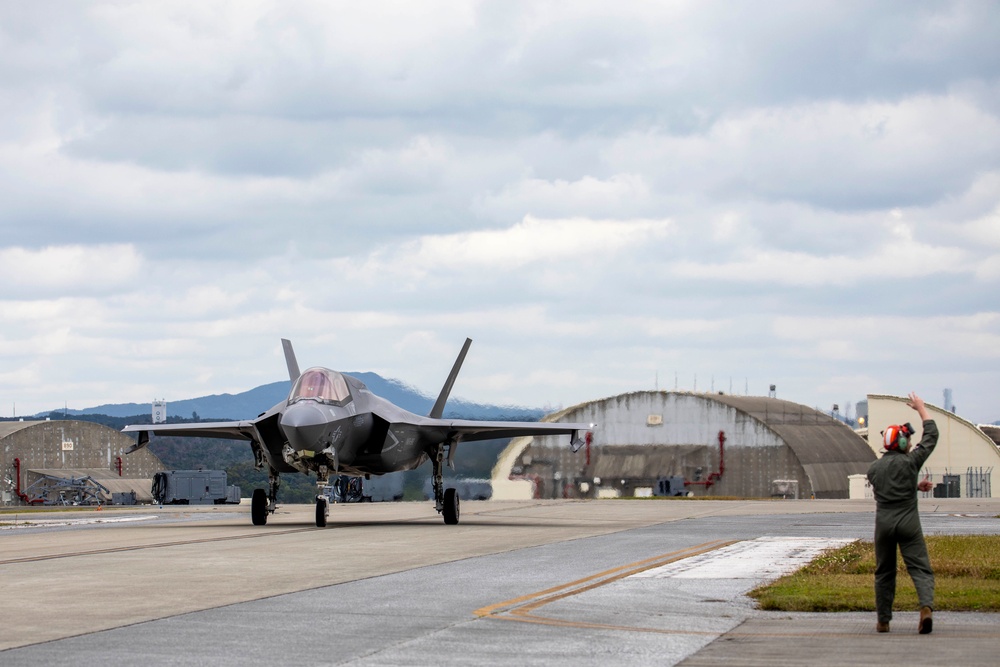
249,404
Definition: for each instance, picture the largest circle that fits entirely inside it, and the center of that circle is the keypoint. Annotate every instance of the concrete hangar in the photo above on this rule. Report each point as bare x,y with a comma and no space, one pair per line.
682,443
72,462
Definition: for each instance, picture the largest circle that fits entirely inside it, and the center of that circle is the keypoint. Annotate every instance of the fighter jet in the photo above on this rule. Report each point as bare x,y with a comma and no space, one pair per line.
332,424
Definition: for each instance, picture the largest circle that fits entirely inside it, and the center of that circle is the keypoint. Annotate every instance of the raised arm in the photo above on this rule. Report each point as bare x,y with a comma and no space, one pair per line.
917,404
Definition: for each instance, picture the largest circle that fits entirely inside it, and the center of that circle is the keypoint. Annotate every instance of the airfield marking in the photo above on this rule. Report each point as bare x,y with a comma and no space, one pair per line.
157,545
699,561
521,605
27,524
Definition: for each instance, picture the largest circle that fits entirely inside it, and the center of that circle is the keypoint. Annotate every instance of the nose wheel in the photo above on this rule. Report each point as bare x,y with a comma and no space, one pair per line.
322,511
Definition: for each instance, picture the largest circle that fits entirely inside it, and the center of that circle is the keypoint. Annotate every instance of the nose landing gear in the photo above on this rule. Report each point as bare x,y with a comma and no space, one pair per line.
322,502
322,511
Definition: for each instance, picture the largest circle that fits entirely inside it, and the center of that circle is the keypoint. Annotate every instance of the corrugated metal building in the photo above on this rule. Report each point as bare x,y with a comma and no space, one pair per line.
770,447
71,449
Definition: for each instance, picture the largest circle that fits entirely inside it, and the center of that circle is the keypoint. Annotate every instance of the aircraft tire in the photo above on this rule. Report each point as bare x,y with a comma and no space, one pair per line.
321,513
258,507
450,510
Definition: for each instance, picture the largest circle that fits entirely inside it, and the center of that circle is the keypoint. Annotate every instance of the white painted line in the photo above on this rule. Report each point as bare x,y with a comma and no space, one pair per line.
763,558
50,523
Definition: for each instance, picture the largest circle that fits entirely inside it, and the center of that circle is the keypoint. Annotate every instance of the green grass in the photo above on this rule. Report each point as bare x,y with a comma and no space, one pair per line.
672,498
966,572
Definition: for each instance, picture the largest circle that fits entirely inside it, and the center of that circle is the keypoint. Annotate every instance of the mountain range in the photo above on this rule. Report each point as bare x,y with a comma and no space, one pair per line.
251,403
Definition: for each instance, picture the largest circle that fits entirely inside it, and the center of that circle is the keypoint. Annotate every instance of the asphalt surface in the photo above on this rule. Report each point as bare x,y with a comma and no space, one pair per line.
545,582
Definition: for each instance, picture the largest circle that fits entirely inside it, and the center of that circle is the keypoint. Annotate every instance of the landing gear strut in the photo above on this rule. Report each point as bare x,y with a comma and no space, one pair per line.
445,500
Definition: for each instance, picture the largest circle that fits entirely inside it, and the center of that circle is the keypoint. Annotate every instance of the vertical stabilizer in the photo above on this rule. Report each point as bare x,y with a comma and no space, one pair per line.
293,365
438,408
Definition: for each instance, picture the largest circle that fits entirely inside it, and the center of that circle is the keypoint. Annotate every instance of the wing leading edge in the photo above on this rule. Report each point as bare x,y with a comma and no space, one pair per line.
468,431
241,430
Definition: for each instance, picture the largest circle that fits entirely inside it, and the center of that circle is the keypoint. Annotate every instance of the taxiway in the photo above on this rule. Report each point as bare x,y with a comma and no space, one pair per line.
534,582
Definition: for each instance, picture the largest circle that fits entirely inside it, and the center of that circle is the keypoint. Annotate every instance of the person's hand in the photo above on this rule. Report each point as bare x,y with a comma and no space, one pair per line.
925,485
917,404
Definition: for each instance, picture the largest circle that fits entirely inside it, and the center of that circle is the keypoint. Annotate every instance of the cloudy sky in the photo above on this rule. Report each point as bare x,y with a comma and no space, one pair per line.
605,196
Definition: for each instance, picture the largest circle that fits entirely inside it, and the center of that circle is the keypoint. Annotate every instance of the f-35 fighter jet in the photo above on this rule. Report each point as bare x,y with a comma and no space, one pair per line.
332,423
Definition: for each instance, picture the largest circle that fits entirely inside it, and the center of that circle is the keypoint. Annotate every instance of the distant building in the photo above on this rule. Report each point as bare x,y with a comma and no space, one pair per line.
159,412
711,444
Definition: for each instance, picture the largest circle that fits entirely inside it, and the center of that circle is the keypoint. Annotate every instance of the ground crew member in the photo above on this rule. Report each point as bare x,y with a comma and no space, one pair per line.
894,481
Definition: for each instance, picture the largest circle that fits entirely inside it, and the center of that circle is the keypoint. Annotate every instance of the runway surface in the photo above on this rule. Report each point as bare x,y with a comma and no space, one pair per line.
536,582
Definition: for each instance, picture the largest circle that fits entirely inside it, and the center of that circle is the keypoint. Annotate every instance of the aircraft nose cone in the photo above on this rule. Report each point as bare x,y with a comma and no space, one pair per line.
305,426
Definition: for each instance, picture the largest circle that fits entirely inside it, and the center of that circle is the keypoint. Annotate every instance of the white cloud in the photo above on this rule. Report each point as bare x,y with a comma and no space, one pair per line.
901,257
599,195
861,155
531,241
587,195
61,269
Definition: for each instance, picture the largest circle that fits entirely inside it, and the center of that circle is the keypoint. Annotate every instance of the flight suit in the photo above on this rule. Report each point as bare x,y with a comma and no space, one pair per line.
897,523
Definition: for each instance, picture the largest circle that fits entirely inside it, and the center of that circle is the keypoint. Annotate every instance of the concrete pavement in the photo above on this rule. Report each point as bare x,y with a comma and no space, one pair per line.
390,584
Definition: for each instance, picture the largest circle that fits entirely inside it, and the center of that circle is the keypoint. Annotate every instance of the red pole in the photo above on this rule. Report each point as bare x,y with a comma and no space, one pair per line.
713,477
722,453
17,486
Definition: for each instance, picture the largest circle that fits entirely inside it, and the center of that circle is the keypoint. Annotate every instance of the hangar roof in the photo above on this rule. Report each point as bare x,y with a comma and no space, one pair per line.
828,449
992,431
9,428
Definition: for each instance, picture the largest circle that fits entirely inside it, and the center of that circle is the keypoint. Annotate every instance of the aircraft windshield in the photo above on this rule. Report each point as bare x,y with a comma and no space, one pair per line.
320,384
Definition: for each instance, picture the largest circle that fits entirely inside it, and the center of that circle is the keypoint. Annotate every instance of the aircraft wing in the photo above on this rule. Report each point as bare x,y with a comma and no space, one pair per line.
483,430
241,430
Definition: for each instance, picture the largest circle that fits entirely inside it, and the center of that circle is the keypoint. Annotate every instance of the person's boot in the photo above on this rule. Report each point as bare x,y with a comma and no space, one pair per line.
882,626
926,622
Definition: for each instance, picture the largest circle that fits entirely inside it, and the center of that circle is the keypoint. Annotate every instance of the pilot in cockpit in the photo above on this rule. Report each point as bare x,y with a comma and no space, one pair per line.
315,385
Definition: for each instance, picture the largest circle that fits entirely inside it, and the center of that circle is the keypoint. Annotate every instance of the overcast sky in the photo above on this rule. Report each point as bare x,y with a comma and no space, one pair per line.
605,196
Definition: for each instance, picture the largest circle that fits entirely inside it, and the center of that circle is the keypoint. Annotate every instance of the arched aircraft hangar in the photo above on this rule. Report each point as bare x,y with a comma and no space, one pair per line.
70,461
966,455
710,444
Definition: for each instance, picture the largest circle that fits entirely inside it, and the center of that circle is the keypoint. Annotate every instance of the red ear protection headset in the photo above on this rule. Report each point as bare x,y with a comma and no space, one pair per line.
897,437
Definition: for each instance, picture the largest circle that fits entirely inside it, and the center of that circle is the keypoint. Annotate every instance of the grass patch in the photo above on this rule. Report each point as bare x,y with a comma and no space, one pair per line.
966,573
672,498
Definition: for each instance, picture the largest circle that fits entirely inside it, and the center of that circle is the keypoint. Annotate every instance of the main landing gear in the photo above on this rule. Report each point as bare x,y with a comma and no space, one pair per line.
264,502
445,500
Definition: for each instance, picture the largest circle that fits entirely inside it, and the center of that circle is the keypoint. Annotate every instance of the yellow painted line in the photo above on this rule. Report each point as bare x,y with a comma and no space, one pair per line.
520,606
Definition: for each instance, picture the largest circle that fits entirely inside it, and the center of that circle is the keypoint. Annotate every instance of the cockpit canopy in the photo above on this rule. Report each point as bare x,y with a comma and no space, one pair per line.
320,384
